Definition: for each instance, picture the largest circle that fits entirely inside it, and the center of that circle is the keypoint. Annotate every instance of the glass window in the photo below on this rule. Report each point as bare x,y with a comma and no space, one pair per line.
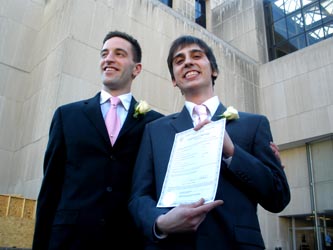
298,42
277,10
326,7
294,24
315,35
167,2
312,16
280,31
200,12
292,5
281,50
328,29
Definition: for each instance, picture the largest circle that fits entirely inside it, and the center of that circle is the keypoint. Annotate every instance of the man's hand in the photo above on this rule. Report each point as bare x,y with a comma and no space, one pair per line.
276,152
185,218
201,124
228,145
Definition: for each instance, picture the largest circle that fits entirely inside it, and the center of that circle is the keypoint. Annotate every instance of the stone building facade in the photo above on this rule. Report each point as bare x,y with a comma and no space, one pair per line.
49,54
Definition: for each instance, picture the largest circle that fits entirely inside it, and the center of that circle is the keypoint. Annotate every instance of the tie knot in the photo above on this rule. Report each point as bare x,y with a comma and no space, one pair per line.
200,110
114,101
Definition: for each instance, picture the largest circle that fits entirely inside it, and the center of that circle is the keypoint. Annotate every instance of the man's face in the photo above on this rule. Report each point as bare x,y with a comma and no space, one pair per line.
117,66
192,69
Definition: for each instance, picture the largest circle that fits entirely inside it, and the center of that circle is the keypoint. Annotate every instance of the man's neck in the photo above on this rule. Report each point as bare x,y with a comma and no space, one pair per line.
198,99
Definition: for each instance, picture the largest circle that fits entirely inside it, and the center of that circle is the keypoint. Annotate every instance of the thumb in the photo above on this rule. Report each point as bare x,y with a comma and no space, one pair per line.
201,124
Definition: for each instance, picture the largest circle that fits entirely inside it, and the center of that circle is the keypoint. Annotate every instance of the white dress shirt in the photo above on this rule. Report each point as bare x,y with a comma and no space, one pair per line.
122,110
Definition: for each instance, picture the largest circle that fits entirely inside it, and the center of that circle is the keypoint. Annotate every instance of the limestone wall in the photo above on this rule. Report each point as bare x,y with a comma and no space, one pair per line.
50,56
297,94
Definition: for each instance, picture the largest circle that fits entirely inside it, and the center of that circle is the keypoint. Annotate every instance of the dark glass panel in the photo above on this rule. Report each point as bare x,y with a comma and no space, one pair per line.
307,2
167,2
295,23
280,31
292,5
277,10
282,50
312,16
297,43
328,29
315,35
200,12
326,10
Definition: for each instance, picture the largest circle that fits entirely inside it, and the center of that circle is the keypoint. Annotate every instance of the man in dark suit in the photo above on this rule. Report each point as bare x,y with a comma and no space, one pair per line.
83,199
250,173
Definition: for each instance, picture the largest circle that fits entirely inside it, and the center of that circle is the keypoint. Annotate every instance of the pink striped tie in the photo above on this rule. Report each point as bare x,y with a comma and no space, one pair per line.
201,111
112,120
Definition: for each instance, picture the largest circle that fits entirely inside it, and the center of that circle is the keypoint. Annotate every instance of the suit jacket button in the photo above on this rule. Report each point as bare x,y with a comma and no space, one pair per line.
109,189
102,222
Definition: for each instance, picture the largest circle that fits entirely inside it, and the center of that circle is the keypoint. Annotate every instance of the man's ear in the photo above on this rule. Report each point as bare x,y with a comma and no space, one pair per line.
214,74
137,69
174,83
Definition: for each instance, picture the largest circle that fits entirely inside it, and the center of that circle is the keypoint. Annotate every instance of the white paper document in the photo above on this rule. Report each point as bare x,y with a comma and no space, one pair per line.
194,166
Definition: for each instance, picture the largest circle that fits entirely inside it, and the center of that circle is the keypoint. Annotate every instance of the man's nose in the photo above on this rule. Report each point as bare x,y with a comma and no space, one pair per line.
188,61
109,57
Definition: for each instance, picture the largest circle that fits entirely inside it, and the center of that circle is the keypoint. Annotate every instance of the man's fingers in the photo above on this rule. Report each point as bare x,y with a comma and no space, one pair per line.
205,208
197,203
201,124
273,145
211,205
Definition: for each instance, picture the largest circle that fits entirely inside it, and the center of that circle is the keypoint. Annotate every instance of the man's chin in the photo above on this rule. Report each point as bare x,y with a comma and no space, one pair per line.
109,81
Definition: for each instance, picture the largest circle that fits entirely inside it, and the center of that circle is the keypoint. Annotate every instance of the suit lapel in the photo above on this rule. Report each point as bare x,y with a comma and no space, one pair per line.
130,121
219,112
182,121
92,109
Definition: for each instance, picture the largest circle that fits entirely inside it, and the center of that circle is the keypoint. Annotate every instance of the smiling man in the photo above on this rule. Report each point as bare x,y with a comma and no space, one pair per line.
250,174
82,204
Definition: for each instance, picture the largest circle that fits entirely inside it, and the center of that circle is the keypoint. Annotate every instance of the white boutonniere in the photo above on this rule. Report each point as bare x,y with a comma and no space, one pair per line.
230,114
141,108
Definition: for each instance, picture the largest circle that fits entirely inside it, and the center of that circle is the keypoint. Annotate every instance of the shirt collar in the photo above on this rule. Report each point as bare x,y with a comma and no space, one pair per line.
212,105
125,98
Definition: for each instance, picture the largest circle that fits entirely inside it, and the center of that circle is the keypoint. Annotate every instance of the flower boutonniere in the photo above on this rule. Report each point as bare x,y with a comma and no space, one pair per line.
230,114
141,108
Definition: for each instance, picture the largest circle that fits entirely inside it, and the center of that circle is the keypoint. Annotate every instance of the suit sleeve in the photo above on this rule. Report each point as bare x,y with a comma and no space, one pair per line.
50,192
142,204
257,169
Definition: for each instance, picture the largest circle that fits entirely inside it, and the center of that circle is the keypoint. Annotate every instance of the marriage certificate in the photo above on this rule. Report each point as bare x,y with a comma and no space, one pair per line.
194,166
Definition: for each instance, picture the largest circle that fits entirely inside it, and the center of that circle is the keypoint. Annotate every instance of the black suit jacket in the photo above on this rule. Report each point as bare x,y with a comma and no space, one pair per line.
254,177
83,200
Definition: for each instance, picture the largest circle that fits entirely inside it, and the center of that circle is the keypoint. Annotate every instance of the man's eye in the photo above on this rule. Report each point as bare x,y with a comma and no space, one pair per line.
120,54
178,61
197,56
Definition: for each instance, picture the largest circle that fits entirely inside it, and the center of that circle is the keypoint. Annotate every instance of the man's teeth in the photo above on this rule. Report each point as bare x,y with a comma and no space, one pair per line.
192,73
109,69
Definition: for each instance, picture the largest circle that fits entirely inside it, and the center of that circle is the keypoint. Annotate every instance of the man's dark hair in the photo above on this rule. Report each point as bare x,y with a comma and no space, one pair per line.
183,41
136,49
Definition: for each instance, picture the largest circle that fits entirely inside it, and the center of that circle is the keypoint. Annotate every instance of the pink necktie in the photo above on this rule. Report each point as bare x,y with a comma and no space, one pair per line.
201,111
112,120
